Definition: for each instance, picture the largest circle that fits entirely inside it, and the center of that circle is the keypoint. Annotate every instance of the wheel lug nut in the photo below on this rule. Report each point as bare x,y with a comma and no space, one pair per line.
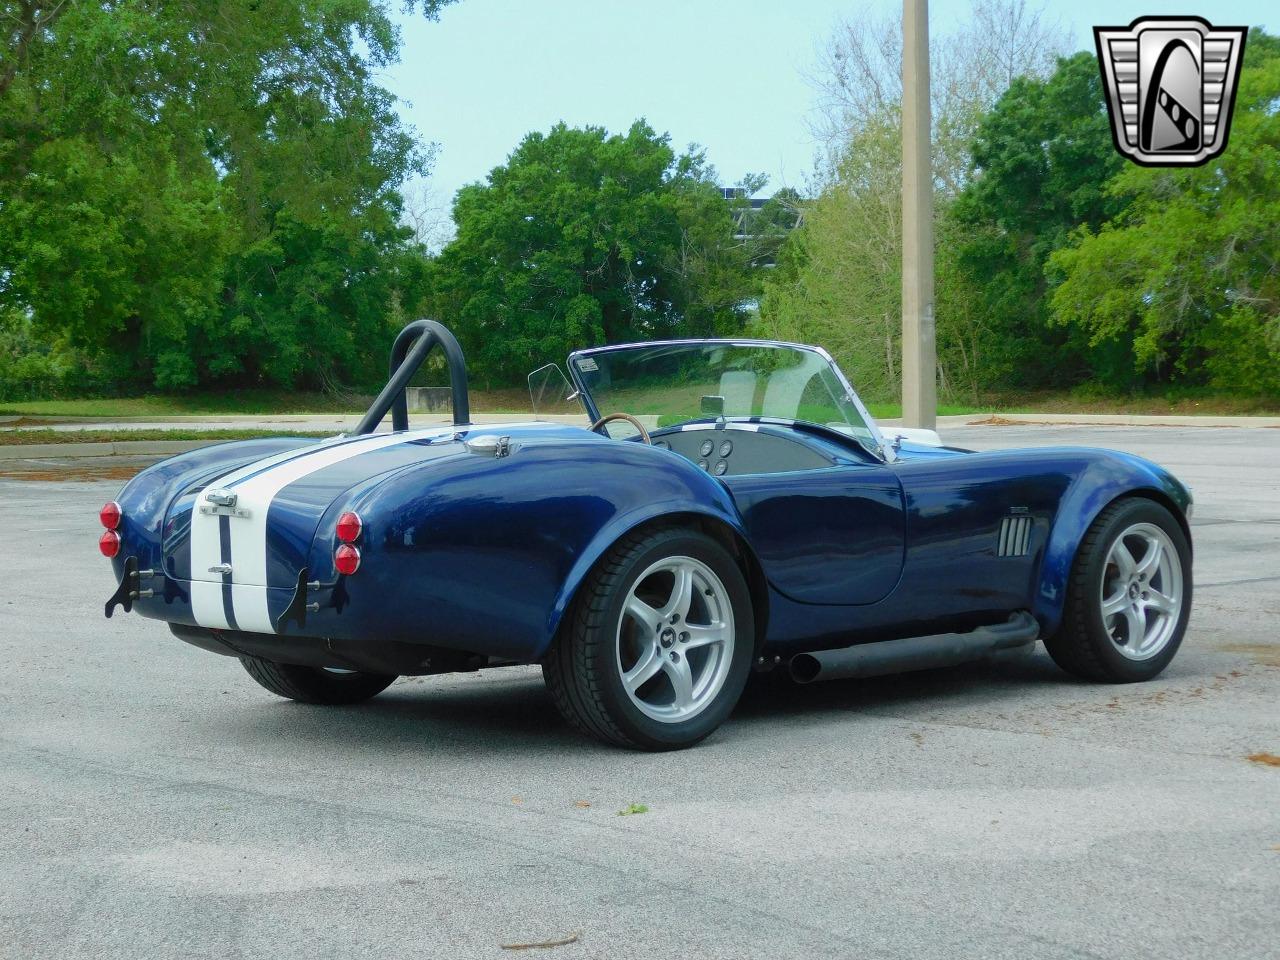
675,657
684,638
675,617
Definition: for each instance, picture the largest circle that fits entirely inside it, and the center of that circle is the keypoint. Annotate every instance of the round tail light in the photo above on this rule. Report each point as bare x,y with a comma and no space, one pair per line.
110,514
109,543
346,559
349,527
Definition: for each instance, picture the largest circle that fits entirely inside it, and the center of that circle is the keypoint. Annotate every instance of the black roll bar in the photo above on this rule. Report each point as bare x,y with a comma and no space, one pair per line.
412,345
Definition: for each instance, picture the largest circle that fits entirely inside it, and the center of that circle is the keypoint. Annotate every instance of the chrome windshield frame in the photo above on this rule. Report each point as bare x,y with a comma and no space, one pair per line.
882,448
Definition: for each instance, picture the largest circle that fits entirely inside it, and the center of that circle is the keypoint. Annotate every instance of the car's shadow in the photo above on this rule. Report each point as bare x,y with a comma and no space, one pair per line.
514,714
506,716
977,684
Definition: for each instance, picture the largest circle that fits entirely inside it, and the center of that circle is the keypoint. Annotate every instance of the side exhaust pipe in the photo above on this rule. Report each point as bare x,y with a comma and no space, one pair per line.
914,653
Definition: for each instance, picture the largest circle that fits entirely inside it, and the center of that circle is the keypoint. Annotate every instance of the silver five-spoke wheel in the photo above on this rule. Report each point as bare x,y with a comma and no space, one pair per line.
1141,591
675,639
658,643
1128,597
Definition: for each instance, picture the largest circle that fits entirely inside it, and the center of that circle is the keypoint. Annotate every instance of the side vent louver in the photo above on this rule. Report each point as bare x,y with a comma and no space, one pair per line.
1015,536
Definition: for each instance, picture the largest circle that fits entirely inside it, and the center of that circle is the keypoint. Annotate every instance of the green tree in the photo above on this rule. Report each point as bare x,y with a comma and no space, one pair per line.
766,228
584,238
1042,159
1185,283
838,280
197,191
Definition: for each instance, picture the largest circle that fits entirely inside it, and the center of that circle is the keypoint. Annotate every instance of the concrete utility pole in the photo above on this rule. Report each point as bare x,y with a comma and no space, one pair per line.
919,351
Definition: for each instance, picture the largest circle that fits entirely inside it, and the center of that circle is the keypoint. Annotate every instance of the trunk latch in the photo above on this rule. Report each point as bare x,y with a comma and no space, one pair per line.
221,503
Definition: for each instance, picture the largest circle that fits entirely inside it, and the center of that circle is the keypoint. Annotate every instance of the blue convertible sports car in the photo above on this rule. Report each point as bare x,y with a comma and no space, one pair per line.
753,516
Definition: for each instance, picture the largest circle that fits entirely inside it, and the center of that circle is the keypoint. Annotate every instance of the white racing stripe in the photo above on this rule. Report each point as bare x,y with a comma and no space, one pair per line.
206,547
206,595
249,535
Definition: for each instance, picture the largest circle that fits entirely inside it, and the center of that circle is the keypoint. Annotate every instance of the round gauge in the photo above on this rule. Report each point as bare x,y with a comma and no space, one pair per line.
721,467
726,448
706,448
704,465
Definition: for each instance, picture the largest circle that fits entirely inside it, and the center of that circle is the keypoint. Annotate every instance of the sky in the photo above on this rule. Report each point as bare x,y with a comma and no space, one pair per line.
729,75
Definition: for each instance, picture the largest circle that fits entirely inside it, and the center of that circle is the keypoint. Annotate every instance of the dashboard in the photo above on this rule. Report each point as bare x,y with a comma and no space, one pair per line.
734,450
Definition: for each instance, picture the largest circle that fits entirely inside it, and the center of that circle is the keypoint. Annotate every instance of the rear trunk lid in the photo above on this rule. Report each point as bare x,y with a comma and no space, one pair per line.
254,526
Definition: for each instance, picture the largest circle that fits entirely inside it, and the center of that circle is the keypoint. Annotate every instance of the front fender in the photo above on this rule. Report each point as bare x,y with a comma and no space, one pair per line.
1109,476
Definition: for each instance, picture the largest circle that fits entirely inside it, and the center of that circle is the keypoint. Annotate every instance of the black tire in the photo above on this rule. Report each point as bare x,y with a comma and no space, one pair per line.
1082,645
314,685
581,669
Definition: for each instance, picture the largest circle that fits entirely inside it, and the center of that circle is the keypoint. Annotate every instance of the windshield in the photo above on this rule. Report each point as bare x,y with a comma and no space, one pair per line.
680,382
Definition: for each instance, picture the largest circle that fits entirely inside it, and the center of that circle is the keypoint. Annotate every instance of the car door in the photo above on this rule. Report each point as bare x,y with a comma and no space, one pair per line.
832,535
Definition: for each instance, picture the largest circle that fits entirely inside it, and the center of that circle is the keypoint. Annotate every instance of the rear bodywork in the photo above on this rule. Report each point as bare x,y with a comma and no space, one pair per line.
461,550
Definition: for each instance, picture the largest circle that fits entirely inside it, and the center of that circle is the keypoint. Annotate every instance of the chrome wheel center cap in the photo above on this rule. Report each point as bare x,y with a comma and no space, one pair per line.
667,637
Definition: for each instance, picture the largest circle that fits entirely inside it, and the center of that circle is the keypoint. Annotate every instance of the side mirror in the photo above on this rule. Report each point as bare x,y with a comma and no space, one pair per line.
713,405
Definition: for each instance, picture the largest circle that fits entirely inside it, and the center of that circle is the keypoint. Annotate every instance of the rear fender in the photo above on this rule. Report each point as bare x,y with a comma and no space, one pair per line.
493,550
1102,482
718,518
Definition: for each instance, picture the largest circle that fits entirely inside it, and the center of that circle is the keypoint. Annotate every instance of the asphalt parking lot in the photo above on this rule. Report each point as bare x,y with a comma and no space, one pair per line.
155,802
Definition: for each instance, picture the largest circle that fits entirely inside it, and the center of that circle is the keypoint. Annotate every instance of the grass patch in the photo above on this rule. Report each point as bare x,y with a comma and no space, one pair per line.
892,411
1087,401
631,809
515,400
10,438
241,402
260,402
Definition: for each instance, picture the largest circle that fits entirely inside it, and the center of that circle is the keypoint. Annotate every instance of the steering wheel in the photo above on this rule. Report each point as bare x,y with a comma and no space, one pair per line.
644,434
